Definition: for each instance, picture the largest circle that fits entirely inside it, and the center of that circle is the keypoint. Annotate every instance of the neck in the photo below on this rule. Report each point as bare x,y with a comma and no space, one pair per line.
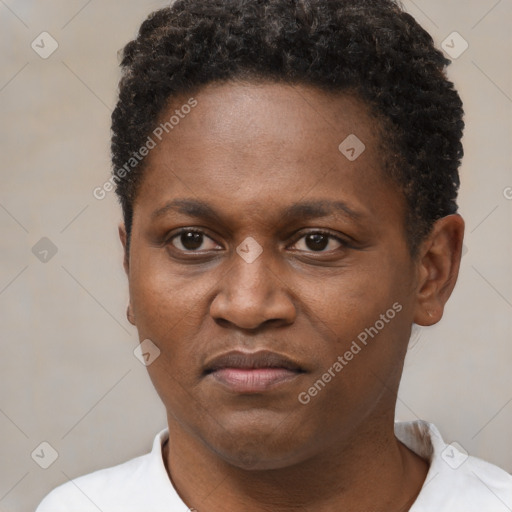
369,470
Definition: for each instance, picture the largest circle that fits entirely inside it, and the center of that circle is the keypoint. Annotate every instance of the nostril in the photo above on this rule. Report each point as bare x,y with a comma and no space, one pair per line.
222,322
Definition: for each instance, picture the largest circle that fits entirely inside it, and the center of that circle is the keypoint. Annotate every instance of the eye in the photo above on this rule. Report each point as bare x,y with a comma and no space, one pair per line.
191,240
317,241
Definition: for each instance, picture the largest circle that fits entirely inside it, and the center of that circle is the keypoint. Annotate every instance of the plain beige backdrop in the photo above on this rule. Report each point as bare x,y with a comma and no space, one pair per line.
69,375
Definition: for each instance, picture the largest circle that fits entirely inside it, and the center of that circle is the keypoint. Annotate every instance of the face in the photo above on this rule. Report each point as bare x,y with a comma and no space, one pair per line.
253,232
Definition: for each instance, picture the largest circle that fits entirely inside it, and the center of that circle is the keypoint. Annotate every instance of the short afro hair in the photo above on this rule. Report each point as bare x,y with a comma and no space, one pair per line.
371,48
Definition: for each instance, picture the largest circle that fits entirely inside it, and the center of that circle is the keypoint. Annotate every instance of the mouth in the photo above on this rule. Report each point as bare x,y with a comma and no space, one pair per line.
252,372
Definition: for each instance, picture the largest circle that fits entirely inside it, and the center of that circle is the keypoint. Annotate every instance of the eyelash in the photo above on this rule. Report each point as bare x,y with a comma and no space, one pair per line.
344,244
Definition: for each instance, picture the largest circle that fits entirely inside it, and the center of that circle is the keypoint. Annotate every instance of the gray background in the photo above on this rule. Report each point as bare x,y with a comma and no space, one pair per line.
69,376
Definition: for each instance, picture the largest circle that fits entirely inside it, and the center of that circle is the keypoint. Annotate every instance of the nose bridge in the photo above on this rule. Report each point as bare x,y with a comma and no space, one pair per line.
250,279
250,293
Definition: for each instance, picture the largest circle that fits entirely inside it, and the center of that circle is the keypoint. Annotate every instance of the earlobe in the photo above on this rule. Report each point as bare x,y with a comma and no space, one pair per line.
129,314
438,269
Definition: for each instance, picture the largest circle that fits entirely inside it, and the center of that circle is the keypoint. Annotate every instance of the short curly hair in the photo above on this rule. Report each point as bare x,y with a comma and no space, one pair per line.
371,48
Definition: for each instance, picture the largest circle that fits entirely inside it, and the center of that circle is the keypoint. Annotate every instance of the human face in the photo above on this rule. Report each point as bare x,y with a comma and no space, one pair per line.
297,251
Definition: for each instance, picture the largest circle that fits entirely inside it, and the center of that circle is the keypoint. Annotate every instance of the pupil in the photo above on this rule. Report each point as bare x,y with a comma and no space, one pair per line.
191,240
319,241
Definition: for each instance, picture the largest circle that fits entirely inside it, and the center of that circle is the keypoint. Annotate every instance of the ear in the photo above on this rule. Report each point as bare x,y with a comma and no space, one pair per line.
123,237
438,268
126,265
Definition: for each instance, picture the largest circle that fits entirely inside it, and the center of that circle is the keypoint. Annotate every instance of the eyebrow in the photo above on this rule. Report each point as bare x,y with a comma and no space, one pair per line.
303,210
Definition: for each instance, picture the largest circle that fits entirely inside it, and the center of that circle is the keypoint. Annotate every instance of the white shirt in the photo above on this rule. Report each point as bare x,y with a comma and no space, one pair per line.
454,483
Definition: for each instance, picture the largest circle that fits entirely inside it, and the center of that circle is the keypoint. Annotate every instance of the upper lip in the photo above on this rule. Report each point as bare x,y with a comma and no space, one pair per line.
251,360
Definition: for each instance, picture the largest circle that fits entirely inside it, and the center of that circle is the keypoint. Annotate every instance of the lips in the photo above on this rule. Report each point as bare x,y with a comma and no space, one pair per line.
252,372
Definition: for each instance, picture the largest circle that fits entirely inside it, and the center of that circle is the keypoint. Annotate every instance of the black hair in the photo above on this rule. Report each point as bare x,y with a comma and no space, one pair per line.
372,48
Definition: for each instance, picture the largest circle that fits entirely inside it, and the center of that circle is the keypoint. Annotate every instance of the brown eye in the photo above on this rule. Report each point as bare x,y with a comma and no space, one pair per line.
318,241
191,240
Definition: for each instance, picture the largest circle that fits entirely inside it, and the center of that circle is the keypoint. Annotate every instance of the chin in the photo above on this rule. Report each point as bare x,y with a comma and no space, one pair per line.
259,442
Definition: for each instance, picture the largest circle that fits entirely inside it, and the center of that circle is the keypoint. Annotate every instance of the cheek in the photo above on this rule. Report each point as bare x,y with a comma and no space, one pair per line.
355,300
168,313
366,316
170,310
162,300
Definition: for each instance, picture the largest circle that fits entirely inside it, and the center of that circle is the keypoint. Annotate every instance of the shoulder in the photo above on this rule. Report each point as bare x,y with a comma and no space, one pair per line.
456,481
472,486
483,486
100,490
140,484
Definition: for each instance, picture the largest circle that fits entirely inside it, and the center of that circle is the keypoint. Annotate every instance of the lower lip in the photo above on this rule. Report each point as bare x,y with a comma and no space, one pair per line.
253,380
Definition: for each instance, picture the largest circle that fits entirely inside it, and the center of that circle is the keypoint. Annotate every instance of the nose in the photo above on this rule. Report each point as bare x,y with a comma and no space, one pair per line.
252,294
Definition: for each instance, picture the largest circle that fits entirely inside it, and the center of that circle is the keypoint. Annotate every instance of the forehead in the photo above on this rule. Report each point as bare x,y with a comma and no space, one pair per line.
256,144
291,120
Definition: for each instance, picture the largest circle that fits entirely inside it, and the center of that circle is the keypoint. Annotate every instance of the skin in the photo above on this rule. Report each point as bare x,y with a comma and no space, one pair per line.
250,151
